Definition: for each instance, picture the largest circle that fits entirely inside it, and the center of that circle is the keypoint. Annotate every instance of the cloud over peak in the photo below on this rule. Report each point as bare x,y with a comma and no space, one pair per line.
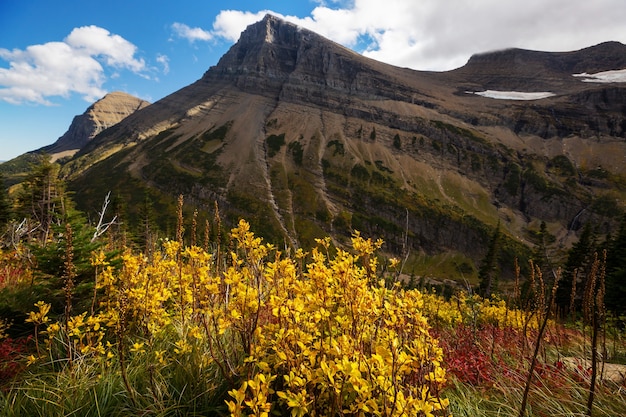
75,65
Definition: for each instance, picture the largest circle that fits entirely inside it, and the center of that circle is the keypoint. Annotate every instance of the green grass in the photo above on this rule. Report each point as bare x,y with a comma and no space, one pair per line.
186,386
569,399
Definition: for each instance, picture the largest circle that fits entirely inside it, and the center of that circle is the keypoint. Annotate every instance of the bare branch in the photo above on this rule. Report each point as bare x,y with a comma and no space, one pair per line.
102,227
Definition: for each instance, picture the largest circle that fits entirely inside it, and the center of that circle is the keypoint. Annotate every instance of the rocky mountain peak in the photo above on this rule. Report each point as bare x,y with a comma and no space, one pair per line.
269,30
104,113
268,48
276,58
602,57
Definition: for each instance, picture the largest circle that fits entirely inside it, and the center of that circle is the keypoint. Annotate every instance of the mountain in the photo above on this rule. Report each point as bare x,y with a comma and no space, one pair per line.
104,113
305,138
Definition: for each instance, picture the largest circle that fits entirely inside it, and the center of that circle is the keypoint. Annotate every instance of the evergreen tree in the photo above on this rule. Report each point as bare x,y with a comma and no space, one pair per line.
579,260
616,272
147,229
397,143
51,255
120,231
488,271
542,253
44,201
42,198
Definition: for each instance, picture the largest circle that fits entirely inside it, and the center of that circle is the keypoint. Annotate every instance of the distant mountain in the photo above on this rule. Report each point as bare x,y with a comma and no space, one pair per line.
305,138
104,113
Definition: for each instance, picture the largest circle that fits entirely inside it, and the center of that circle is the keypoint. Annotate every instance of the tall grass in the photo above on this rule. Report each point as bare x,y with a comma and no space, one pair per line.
187,385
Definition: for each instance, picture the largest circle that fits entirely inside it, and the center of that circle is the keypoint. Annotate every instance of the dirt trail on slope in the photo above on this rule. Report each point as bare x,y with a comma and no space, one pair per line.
608,371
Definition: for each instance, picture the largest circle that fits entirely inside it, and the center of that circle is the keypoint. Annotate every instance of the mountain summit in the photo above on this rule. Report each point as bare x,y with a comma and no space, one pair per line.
272,52
104,113
305,138
274,56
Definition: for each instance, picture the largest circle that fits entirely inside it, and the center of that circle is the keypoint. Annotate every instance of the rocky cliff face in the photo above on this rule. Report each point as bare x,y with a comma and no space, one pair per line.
294,65
305,138
278,58
104,113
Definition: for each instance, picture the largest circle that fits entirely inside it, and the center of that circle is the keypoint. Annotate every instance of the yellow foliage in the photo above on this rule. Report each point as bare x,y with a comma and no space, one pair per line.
40,316
327,338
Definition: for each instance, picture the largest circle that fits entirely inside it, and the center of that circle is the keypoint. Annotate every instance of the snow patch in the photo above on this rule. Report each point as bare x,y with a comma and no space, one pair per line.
614,76
513,95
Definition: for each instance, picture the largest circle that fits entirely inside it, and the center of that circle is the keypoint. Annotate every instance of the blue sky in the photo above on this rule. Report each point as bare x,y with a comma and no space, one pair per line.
57,57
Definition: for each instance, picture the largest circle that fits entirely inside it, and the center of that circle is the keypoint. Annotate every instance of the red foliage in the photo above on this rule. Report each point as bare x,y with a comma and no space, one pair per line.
478,356
483,355
12,269
11,353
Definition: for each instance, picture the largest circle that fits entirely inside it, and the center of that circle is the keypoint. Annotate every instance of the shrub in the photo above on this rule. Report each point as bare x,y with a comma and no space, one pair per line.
297,152
274,143
397,143
257,334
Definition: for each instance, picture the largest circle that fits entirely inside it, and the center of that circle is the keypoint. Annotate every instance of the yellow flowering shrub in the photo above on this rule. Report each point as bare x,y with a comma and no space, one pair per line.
326,338
335,340
475,310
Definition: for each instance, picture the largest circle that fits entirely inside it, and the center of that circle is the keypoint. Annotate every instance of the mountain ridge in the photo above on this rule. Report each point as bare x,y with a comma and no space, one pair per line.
541,70
306,138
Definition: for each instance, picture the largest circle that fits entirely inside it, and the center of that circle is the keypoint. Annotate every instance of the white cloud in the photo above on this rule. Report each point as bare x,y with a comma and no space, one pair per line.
96,41
615,76
191,34
442,35
165,62
61,68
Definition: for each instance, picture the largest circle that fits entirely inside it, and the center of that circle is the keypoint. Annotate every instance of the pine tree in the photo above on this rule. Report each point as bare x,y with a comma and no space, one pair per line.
147,231
42,198
51,255
49,208
616,272
397,143
579,260
488,271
